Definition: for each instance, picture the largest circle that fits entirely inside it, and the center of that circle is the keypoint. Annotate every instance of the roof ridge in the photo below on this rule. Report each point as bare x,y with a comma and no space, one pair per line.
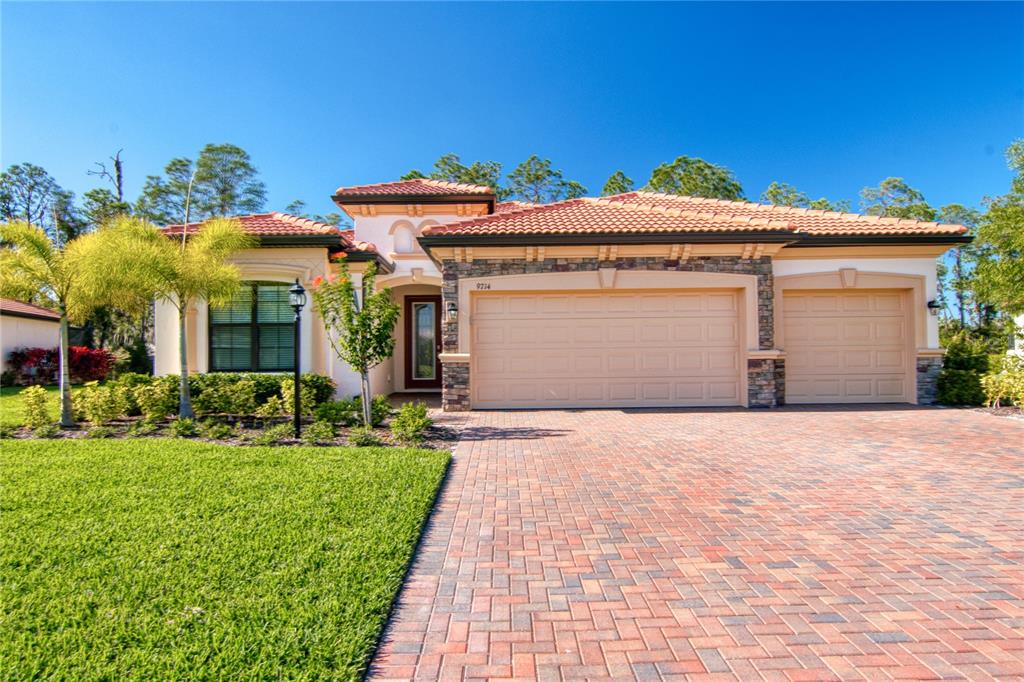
441,184
303,222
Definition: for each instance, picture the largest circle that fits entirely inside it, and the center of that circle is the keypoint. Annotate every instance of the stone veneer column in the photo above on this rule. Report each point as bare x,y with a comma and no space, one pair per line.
766,377
928,367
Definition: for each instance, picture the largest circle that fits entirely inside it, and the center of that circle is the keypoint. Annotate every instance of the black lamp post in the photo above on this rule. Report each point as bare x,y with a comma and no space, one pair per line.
297,299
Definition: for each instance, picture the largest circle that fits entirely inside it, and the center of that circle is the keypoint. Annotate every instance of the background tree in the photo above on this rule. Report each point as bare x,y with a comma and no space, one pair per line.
114,175
695,178
535,181
450,168
27,193
162,200
35,267
896,199
298,208
957,272
617,183
1000,241
784,194
100,205
360,328
226,183
140,264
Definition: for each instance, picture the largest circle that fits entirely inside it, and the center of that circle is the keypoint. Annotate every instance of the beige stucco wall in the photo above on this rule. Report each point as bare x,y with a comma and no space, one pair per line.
23,332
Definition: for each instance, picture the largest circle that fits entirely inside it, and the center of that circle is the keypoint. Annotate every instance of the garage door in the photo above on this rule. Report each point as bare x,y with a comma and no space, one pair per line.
846,347
605,349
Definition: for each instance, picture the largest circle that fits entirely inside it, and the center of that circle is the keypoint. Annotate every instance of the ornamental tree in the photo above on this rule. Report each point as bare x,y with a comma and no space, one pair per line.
140,263
360,324
35,268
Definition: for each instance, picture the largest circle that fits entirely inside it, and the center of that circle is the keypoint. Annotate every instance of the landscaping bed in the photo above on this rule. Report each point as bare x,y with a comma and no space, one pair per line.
171,559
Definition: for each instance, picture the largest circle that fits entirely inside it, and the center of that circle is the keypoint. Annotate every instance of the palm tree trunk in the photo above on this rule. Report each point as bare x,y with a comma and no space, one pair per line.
184,395
67,414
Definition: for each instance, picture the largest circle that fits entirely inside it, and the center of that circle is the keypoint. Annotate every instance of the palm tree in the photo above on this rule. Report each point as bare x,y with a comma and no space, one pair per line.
32,267
141,263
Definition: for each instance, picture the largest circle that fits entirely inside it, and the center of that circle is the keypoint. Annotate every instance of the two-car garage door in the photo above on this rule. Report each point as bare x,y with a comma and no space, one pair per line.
606,349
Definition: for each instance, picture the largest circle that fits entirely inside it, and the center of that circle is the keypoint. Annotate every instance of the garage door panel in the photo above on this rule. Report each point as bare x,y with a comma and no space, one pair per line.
846,347
623,349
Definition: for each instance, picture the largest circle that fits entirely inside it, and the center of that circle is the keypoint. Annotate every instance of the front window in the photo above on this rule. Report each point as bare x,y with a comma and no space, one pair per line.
255,332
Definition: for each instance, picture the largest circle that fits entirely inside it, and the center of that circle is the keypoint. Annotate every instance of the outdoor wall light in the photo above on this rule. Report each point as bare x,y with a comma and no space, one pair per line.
451,312
934,307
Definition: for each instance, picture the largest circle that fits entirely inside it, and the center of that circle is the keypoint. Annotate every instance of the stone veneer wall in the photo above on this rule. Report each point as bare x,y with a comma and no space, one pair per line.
766,374
927,378
766,383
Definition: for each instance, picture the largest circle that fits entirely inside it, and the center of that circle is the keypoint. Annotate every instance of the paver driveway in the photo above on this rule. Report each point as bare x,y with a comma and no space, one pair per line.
784,544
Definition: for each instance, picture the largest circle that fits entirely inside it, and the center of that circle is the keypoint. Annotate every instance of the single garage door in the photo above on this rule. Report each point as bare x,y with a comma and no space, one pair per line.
618,349
846,346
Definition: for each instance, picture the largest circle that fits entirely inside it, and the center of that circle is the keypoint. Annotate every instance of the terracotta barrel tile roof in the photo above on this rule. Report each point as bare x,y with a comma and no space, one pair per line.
20,308
513,205
268,224
420,186
605,216
650,212
804,220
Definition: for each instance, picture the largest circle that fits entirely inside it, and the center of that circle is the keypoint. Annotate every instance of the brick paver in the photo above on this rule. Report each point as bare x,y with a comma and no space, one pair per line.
792,544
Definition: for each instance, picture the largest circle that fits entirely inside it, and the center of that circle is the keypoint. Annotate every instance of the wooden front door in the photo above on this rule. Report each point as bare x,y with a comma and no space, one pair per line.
422,342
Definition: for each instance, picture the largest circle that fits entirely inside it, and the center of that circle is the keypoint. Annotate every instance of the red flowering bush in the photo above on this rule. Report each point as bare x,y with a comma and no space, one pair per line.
42,365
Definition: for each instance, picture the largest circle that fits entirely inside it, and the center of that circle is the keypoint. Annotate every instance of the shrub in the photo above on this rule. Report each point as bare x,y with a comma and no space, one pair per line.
156,400
409,424
213,429
271,407
34,403
131,381
272,435
142,428
362,437
344,412
41,365
1005,384
307,398
322,387
100,432
959,381
46,431
101,404
318,433
6,432
183,428
380,410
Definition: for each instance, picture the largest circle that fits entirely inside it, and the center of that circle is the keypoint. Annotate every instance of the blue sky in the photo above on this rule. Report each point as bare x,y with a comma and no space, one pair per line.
828,97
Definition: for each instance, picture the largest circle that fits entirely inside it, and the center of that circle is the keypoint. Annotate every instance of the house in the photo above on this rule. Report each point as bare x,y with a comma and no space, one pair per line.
639,299
23,325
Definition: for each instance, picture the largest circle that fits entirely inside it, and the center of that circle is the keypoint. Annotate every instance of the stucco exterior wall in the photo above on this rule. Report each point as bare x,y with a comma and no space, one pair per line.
23,332
395,238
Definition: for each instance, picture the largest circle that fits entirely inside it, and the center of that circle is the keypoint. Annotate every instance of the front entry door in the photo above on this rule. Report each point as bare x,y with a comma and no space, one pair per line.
422,342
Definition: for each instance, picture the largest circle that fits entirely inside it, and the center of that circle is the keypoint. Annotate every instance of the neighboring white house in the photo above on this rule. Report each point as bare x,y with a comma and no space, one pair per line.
640,299
23,325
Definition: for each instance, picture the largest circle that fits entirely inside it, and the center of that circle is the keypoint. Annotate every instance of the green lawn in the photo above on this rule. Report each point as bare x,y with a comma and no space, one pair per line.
161,559
10,404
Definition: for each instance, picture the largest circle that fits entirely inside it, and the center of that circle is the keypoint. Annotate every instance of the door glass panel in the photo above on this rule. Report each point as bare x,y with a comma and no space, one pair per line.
423,359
